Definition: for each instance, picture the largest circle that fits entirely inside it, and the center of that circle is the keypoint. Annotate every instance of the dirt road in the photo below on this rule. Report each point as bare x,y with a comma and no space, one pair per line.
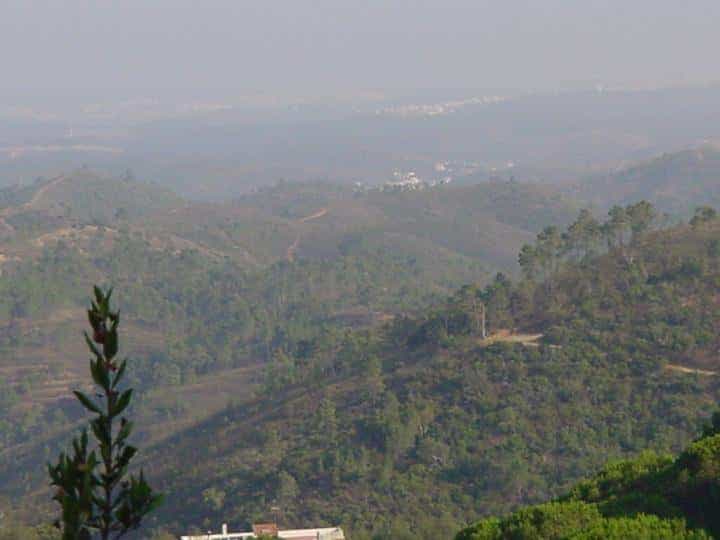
290,254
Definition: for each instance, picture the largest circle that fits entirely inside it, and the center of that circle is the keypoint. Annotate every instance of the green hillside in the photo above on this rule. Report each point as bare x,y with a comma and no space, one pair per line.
410,430
414,428
314,350
86,196
652,496
216,296
488,222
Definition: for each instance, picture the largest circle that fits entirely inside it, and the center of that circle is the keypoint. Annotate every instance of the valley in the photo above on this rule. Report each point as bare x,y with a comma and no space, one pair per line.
321,270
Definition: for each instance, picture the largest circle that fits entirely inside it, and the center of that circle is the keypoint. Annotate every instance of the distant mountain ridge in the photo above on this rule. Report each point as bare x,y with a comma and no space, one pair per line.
675,182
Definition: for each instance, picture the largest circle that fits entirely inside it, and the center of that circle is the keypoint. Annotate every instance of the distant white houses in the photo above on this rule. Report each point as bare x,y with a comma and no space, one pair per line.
404,181
410,181
437,109
271,530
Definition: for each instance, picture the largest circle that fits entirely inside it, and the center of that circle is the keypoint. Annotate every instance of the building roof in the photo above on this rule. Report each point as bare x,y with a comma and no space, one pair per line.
271,529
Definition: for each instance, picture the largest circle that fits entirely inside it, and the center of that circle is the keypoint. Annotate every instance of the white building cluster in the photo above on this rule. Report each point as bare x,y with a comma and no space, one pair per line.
409,181
437,109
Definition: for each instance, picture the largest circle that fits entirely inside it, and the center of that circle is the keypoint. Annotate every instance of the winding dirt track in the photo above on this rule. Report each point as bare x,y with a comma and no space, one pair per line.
41,192
683,369
290,254
7,212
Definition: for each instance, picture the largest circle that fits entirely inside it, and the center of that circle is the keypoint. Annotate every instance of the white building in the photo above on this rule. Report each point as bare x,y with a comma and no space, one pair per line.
403,182
269,529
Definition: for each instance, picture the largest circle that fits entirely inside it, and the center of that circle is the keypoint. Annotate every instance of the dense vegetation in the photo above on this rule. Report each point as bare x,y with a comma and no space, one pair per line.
651,496
359,382
408,430
208,290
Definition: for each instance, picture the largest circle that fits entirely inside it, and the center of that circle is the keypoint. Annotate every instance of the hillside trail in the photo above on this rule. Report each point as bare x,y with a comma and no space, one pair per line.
40,193
507,336
290,253
695,371
9,211
316,215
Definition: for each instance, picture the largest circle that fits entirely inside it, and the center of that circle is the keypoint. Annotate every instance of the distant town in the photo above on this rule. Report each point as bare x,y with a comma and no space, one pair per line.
437,109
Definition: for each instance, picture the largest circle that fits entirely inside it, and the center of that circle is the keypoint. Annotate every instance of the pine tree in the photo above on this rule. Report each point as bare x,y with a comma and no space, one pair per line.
99,499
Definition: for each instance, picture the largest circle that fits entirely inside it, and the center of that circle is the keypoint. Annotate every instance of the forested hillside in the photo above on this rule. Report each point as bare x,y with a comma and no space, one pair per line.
485,222
342,378
651,496
605,349
223,301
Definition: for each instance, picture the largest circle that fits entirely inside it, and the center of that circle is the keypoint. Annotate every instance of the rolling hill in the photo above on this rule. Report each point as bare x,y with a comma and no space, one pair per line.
88,196
487,222
215,295
416,426
312,347
412,429
675,182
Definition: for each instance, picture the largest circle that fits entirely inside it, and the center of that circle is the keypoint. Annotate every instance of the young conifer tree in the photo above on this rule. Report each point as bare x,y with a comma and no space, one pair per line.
99,499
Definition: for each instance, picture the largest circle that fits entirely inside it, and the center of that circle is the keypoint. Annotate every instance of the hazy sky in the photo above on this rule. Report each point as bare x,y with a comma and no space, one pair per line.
334,46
